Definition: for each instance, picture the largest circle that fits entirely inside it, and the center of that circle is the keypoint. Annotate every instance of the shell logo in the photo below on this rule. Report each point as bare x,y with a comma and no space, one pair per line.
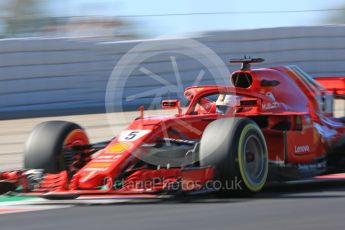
119,147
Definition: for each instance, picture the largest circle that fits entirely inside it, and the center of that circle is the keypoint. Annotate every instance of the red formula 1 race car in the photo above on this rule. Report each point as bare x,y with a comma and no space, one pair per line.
271,124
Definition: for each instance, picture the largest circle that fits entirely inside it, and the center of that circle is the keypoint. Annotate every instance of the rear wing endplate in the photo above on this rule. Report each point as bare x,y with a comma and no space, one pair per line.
335,85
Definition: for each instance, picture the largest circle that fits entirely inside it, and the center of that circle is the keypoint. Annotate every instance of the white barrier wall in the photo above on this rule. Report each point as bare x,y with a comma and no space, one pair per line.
59,76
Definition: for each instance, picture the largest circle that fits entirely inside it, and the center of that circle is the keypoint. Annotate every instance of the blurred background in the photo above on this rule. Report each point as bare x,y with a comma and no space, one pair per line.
56,56
131,19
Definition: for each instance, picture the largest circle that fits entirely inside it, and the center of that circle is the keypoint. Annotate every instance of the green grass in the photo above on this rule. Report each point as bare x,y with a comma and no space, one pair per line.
14,198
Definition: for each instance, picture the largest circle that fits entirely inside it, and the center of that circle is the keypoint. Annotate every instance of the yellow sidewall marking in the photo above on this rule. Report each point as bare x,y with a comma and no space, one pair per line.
252,187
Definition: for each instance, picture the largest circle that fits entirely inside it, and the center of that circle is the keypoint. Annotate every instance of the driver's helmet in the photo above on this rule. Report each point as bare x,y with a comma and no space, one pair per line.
225,101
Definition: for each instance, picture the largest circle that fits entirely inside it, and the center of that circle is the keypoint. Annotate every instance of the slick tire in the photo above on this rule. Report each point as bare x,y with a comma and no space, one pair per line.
44,149
236,148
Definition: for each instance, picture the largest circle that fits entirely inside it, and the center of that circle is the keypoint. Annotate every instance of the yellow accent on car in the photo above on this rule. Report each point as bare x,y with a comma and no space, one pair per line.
119,147
99,164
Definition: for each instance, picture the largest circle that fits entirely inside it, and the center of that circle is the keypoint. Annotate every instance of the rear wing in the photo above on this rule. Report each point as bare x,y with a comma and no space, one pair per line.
335,85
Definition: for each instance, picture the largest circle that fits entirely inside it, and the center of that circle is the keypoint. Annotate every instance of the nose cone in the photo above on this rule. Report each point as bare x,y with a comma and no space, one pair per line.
90,180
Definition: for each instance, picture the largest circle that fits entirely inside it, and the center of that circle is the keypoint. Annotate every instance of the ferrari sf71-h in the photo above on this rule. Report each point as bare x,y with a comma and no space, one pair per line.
268,124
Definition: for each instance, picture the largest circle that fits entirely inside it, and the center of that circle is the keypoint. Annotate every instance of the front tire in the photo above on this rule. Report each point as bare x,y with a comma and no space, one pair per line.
237,149
45,146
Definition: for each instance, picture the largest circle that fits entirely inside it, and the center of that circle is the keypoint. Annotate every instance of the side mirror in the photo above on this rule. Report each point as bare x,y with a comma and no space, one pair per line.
172,104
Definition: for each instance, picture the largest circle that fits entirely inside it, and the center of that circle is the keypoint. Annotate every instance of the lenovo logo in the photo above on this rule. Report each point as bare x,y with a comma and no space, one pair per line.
302,149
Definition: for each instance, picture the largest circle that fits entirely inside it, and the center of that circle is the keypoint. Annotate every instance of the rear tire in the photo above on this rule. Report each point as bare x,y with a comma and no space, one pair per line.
342,119
45,145
336,154
237,149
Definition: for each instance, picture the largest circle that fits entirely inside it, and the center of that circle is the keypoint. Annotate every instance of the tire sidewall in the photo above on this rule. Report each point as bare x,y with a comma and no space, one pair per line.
222,147
44,147
248,130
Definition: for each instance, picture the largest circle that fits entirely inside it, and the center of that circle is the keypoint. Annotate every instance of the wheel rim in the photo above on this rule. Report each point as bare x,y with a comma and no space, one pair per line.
254,161
76,137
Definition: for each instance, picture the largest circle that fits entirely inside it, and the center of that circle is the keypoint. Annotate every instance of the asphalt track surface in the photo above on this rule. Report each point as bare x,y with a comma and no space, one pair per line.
301,206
